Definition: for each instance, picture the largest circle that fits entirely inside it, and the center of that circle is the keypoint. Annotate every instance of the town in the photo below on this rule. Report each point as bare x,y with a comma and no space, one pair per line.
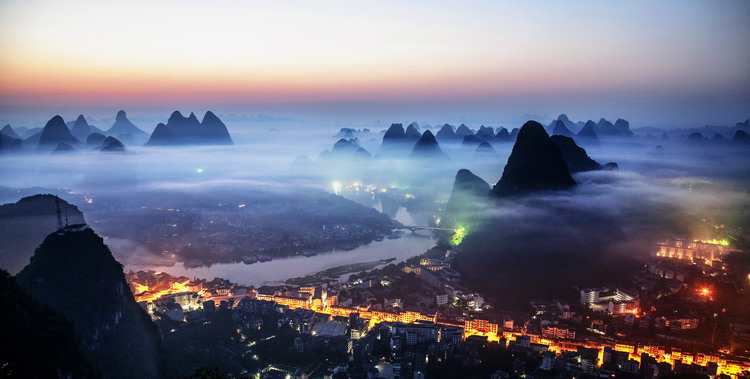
416,319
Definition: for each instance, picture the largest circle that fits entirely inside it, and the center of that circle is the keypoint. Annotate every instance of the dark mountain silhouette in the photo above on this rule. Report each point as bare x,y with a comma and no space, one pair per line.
415,125
81,128
412,132
587,135
395,142
344,146
24,224
8,131
36,341
484,133
112,145
561,130
535,164
8,143
569,125
123,126
446,133
741,138
463,130
55,132
394,133
575,157
664,137
623,127
428,147
503,135
180,130
469,195
95,139
74,273
345,149
215,132
605,129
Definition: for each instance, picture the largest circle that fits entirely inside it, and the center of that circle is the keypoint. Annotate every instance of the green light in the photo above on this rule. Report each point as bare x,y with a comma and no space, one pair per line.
458,236
200,170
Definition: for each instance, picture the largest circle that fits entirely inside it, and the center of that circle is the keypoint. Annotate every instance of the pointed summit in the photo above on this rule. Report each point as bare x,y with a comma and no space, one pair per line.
54,133
463,130
467,199
561,129
412,132
535,164
587,135
112,145
180,130
215,131
81,128
175,117
123,127
446,133
428,147
193,118
9,132
395,142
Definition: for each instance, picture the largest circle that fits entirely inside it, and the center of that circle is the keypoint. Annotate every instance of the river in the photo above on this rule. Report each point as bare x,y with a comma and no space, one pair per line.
278,270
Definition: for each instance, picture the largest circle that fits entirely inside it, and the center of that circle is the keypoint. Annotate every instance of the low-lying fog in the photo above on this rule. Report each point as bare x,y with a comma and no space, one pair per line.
708,183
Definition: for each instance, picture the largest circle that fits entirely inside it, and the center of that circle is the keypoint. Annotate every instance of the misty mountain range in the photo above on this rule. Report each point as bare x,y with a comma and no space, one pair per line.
58,136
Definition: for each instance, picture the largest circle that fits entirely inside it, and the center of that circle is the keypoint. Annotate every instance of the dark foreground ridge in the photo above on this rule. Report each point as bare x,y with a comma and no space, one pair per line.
75,274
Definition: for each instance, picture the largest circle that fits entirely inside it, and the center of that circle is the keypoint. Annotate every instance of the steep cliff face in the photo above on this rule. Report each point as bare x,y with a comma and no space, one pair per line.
469,193
535,164
75,274
36,341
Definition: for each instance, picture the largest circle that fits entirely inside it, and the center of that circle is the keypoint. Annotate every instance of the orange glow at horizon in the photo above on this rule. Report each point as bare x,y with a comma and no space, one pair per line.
101,53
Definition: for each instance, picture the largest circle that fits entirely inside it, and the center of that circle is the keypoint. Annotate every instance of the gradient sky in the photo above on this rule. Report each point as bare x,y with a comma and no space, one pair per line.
664,63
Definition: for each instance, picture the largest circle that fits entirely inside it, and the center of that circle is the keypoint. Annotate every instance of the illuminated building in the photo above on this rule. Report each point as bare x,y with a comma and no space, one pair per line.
479,326
558,332
709,250
614,301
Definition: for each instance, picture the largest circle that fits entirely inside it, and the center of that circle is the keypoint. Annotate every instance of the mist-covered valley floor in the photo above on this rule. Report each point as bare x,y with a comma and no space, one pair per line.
292,188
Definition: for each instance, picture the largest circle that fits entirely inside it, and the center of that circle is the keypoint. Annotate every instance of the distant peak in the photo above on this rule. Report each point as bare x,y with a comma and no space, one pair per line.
121,116
175,117
57,119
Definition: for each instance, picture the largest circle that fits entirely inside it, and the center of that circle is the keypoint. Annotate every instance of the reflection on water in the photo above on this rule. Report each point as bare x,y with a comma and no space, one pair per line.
278,270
